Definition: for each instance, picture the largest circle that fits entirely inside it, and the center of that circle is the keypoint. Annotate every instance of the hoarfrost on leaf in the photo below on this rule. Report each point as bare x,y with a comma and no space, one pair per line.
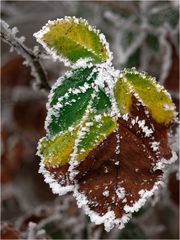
72,40
107,130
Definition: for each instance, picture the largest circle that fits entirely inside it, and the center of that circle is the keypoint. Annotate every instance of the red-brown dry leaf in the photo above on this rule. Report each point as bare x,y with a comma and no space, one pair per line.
12,155
172,80
98,172
8,231
14,73
29,116
173,186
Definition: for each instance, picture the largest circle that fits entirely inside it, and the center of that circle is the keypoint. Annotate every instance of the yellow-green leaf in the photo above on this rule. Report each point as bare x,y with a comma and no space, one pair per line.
73,39
56,151
153,96
78,110
95,135
123,96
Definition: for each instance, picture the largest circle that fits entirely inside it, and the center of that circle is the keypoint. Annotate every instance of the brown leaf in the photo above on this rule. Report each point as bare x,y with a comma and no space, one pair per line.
12,155
15,73
173,186
172,80
103,173
8,231
29,116
135,169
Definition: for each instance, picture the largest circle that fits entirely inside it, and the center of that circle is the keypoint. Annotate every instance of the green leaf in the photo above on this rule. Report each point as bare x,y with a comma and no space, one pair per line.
153,96
95,135
73,39
69,99
78,110
57,150
123,96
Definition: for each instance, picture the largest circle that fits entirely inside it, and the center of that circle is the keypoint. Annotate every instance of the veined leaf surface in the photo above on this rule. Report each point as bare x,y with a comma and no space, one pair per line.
73,39
69,99
78,111
153,96
106,137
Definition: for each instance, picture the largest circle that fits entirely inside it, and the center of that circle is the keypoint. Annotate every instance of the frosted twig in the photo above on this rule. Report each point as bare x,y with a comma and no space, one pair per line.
31,59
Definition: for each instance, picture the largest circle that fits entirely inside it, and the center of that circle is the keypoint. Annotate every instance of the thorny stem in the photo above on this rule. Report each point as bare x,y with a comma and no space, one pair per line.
32,59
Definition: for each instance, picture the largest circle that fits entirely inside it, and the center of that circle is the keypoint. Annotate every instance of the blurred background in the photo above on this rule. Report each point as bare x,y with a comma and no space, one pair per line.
142,34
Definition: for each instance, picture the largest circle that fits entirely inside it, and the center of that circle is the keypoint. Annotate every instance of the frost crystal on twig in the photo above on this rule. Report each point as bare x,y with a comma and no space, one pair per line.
31,58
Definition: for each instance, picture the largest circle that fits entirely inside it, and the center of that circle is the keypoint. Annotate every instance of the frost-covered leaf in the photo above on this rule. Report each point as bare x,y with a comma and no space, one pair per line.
107,136
73,39
69,99
153,96
109,184
78,108
57,151
112,164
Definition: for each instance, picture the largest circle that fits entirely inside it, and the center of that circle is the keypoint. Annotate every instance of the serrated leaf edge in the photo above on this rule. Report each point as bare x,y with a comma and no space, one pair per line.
57,84
48,177
154,82
81,62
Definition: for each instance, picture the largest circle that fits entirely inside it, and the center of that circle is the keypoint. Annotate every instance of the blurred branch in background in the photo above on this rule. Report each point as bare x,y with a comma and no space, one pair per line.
31,57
